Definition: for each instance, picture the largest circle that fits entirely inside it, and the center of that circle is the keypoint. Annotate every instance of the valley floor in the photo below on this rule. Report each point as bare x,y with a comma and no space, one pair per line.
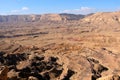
63,53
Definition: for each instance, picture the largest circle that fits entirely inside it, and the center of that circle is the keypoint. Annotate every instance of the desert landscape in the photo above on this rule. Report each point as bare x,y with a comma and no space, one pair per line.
60,47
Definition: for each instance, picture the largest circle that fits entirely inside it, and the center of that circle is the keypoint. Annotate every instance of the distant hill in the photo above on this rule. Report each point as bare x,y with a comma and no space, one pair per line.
100,21
103,20
72,16
19,18
35,18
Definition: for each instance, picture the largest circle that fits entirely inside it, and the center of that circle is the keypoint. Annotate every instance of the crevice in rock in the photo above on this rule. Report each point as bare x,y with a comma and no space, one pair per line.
96,68
69,74
24,66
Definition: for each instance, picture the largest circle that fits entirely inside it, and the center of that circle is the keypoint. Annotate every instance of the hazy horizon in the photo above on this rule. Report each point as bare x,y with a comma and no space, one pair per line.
18,7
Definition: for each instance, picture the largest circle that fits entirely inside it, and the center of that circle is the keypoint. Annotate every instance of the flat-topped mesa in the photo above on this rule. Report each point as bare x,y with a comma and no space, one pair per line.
39,17
51,17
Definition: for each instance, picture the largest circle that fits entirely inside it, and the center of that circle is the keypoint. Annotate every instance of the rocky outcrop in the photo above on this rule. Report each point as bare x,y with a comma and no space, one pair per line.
59,62
32,67
110,77
3,72
96,68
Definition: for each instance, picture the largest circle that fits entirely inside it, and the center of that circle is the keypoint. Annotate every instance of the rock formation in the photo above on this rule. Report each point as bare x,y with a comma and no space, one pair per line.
3,72
61,47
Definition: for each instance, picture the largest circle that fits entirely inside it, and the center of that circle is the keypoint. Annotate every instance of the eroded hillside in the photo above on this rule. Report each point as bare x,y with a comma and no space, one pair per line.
86,49
103,21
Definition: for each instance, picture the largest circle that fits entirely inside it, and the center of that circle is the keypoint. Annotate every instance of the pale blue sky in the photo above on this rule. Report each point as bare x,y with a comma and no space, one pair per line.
8,7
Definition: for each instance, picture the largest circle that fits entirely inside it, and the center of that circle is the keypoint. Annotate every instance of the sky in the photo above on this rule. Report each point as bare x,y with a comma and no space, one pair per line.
10,7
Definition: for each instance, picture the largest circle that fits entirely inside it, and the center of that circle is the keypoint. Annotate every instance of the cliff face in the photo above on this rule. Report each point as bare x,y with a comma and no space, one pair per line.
44,17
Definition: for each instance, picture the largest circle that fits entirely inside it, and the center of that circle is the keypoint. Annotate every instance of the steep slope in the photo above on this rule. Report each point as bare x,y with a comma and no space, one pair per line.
104,20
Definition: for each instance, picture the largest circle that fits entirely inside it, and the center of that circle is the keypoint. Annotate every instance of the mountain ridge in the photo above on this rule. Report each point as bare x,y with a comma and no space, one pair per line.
35,18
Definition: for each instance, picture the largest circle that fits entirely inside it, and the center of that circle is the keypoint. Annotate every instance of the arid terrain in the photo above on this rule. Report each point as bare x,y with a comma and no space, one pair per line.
60,47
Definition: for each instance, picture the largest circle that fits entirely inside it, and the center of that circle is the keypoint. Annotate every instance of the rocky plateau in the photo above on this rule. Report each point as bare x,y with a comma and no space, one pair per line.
60,47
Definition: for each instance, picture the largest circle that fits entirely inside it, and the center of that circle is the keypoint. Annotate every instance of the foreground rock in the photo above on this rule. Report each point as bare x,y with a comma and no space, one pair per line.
3,73
60,62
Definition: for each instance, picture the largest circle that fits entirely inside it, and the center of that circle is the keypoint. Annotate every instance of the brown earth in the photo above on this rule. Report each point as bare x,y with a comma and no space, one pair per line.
86,49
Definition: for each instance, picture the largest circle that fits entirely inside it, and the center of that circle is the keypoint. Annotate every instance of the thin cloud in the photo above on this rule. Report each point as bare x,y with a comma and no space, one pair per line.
82,10
20,10
25,8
